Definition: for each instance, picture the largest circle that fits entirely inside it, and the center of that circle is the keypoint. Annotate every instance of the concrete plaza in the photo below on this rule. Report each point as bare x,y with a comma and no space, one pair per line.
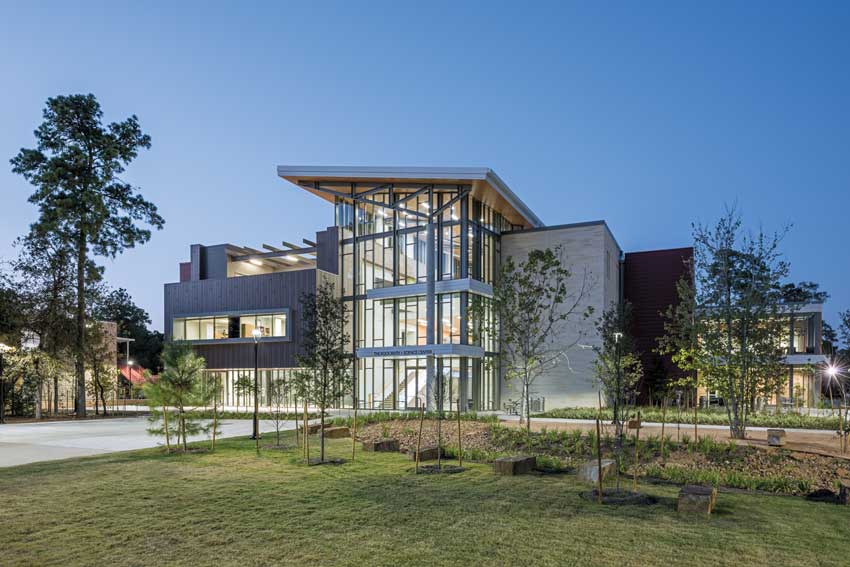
22,443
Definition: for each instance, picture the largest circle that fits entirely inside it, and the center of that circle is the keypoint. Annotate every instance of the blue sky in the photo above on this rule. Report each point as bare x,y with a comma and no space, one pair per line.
649,115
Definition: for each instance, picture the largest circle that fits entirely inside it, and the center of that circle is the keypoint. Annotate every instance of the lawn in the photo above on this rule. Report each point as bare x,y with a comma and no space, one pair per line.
234,508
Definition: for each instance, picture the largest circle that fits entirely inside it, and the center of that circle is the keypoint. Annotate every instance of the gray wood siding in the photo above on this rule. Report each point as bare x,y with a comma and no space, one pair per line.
246,293
327,250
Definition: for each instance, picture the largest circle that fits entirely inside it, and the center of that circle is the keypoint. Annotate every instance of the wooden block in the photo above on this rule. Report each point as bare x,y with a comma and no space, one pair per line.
844,493
776,437
381,446
425,454
589,471
697,500
512,466
337,432
312,428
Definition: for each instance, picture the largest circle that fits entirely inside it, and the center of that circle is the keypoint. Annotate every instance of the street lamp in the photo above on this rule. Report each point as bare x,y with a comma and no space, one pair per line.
256,333
129,380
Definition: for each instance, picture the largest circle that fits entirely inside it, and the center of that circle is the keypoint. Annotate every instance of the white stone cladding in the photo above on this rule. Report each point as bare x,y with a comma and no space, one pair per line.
586,248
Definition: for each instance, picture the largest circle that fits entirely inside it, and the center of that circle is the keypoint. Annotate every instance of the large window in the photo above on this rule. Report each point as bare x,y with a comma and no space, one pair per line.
229,327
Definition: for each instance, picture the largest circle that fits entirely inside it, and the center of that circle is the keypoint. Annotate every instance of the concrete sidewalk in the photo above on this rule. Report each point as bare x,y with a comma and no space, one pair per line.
22,443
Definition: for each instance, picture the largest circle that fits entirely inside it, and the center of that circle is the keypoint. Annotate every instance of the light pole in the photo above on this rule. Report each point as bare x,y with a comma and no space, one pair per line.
256,333
129,380
3,349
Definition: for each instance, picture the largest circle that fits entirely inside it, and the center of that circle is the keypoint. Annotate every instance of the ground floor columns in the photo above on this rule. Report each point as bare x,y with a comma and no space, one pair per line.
430,307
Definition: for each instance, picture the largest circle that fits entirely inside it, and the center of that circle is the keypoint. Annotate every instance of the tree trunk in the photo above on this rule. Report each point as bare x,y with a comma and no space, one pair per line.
80,365
165,427
183,428
354,431
56,394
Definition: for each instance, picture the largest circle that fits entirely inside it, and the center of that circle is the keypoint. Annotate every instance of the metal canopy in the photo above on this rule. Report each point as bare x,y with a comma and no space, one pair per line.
486,185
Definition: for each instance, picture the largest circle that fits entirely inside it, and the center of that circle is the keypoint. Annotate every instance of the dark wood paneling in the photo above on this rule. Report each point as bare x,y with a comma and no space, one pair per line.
327,250
241,355
649,283
246,293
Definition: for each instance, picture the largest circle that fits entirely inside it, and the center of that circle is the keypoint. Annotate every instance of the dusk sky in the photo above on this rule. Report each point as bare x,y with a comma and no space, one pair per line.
647,115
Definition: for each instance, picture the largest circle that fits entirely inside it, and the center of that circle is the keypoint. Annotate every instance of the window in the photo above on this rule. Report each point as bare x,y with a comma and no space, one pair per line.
229,327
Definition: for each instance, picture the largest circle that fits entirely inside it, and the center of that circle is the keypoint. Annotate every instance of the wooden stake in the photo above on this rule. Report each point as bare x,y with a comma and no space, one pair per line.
419,439
459,446
637,442
354,432
663,421
696,411
306,435
598,461
215,413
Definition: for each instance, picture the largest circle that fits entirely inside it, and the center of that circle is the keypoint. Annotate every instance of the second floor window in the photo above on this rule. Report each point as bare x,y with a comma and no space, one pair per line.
229,327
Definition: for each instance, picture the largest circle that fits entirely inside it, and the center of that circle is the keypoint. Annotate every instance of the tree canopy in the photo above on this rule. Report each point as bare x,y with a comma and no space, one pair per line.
75,169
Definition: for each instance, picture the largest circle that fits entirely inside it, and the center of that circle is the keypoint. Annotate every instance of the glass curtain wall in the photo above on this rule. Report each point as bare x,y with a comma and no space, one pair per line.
384,244
236,387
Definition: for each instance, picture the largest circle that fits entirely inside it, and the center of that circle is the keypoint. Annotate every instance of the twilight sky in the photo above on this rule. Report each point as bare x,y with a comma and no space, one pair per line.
648,115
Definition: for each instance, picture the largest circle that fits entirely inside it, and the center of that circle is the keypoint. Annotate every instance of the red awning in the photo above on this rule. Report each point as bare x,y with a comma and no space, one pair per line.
135,374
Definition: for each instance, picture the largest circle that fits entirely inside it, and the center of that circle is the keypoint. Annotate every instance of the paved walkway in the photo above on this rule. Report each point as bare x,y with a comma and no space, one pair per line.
22,443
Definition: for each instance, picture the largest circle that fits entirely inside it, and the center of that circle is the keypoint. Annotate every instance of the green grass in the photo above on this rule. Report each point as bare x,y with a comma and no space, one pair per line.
713,416
234,508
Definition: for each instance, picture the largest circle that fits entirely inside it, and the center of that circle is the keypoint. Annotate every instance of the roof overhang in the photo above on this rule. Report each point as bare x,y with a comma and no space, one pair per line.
486,185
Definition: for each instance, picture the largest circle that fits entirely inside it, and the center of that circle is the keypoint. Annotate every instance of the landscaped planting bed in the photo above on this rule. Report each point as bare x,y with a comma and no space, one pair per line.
723,464
713,416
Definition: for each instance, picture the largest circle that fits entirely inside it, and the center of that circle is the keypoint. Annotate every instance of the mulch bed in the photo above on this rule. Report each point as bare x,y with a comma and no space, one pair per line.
820,470
476,435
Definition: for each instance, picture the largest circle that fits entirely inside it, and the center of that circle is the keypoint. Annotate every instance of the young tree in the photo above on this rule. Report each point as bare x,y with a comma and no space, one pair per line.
844,330
159,402
534,302
277,405
102,371
618,366
681,342
182,384
325,357
75,169
732,336
243,386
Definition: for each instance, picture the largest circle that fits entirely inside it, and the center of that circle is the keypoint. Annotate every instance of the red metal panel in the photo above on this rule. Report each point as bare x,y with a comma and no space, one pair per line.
649,284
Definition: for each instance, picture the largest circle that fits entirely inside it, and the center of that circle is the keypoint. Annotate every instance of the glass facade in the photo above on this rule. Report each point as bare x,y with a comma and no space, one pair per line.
236,387
228,327
384,243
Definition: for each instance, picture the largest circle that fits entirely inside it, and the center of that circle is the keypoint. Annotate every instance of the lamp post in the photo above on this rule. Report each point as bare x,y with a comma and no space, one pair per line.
256,333
129,380
3,349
